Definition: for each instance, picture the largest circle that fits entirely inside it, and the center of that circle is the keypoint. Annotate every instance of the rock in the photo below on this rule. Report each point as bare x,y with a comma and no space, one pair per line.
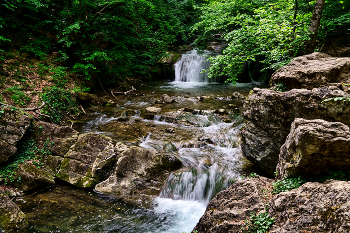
167,99
88,99
61,137
227,211
313,70
139,175
269,116
29,177
237,96
170,58
150,112
153,110
314,147
313,207
89,161
221,111
11,217
13,125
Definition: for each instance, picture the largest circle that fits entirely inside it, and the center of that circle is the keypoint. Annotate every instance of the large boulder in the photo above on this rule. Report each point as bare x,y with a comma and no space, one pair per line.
269,116
89,161
11,217
313,70
314,207
139,175
29,177
229,209
58,139
314,147
13,125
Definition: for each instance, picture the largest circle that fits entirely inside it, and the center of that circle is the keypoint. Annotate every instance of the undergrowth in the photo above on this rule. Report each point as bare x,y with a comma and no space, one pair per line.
59,104
293,183
27,152
258,222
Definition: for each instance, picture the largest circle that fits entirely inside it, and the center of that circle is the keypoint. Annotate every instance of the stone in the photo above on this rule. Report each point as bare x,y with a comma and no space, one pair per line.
170,58
313,207
11,217
269,115
153,110
13,125
139,175
238,96
89,161
87,99
228,210
61,137
29,177
313,70
314,147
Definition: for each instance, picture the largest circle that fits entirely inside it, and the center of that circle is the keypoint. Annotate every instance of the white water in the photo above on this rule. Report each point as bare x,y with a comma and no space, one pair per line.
190,67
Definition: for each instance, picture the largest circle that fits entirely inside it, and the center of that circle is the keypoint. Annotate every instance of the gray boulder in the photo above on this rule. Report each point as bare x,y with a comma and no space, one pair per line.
89,161
269,116
314,147
11,217
313,207
228,210
139,175
13,125
313,70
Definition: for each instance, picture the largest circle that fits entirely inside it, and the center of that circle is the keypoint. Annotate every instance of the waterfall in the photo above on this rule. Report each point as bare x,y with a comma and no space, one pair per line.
189,68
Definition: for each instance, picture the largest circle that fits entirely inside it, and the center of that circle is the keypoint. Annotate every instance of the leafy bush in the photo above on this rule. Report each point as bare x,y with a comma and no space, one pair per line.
287,184
60,104
258,223
18,96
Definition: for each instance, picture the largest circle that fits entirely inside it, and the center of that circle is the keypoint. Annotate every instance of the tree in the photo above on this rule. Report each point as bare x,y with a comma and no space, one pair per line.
315,24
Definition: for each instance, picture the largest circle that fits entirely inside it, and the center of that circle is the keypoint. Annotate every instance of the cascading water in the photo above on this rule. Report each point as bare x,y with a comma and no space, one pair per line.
190,67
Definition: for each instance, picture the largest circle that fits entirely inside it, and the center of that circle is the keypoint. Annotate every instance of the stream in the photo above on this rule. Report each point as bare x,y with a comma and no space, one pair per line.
203,124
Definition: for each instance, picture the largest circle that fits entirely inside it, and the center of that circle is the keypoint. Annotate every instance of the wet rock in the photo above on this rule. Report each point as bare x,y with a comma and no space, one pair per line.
89,161
153,110
314,147
139,175
313,207
11,217
29,177
228,210
269,116
150,112
170,58
167,99
13,125
87,99
169,147
237,96
58,138
221,112
313,70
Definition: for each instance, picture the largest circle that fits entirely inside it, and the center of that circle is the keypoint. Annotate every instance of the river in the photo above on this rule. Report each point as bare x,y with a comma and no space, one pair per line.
203,124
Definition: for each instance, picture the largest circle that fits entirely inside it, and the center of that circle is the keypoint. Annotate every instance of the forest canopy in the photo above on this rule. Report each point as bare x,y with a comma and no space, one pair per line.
108,41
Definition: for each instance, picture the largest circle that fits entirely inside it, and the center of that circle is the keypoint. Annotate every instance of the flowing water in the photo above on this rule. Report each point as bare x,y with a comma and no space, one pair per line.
207,142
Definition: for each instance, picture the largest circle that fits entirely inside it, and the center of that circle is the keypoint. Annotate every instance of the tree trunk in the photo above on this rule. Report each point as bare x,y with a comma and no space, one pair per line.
315,23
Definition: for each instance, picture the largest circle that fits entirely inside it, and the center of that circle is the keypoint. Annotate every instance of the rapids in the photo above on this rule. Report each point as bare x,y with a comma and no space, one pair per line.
206,141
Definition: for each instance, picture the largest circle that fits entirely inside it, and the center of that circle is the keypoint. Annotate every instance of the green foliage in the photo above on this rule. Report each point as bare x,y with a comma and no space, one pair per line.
59,104
261,31
258,223
253,175
280,87
340,98
17,95
27,152
287,184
